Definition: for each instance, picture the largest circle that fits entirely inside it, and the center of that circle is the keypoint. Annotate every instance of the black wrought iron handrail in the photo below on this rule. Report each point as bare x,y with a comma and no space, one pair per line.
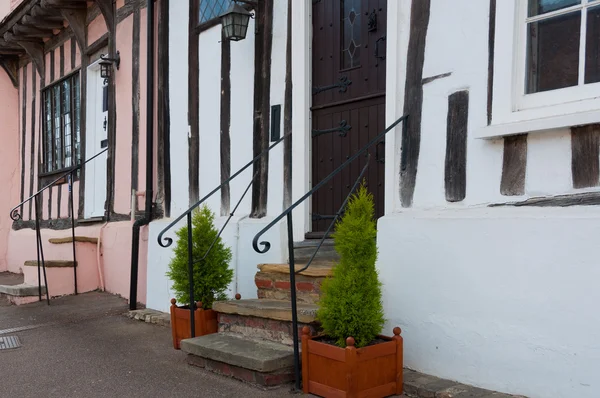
288,214
15,215
167,241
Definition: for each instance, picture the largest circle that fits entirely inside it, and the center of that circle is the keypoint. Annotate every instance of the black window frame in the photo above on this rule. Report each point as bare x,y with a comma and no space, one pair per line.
52,165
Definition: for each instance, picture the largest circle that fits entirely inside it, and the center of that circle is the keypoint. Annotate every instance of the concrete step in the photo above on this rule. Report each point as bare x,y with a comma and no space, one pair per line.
269,320
255,361
273,281
22,293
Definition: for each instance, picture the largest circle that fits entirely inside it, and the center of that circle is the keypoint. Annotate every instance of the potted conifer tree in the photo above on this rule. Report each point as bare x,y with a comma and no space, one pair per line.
211,276
350,358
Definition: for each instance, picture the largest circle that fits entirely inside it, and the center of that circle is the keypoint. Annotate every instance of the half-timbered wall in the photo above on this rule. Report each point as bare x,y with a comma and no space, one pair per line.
125,162
226,140
496,296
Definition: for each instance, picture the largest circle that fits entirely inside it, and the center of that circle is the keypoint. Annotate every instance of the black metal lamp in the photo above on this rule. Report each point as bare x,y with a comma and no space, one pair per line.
106,65
235,22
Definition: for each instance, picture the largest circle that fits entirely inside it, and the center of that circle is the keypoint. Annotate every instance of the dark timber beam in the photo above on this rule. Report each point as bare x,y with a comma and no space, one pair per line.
23,9
39,12
11,67
76,19
65,4
413,99
47,22
106,8
33,48
29,31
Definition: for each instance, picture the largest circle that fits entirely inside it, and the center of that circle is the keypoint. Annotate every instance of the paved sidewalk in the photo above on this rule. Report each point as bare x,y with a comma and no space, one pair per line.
83,346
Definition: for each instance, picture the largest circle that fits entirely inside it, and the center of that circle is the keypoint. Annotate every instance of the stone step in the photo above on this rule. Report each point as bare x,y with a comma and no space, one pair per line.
69,239
273,281
303,251
280,310
255,361
269,320
52,263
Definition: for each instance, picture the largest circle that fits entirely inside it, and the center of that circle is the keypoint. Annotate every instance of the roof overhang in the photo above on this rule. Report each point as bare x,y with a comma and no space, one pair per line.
34,22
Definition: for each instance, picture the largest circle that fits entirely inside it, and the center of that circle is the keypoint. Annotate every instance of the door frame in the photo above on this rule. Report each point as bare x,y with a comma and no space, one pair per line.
397,37
93,73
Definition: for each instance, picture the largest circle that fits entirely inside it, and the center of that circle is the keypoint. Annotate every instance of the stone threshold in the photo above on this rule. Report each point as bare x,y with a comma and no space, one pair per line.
419,385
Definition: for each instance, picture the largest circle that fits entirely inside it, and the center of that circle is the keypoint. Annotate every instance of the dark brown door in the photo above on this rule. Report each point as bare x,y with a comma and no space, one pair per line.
348,100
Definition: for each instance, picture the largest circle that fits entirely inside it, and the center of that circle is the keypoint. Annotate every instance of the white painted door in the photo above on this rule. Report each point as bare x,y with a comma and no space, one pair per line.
96,141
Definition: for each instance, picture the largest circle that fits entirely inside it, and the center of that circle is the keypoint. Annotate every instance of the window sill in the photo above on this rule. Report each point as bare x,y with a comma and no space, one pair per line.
495,131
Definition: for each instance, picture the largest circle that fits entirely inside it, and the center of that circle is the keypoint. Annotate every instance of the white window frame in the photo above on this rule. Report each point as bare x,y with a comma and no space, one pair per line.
515,112
562,95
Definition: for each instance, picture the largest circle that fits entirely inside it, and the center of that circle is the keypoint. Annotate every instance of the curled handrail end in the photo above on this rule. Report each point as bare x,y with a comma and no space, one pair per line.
266,246
15,215
164,242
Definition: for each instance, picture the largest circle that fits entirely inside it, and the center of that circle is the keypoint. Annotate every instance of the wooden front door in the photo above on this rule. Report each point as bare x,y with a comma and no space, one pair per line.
348,103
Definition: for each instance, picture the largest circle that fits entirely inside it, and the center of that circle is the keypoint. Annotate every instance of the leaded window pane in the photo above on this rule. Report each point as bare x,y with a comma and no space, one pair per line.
351,33
62,124
210,9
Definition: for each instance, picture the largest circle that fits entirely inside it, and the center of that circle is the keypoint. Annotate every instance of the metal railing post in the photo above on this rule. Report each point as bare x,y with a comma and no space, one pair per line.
290,230
191,274
41,250
73,230
37,243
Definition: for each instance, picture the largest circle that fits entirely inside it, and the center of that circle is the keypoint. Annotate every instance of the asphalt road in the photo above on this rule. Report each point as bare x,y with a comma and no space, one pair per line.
83,346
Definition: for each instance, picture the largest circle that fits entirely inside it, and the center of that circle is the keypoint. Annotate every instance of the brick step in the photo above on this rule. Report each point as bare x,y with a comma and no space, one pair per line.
273,281
269,320
259,362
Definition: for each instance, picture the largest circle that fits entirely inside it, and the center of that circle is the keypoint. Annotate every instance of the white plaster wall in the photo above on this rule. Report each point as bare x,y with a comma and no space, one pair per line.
549,163
278,67
210,115
500,298
242,117
178,105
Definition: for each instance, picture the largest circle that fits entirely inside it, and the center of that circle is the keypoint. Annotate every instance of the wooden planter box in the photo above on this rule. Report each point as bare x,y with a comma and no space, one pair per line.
205,320
372,371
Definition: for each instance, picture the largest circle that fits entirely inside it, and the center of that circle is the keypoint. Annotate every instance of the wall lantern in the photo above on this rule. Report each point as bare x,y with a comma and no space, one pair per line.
106,65
235,22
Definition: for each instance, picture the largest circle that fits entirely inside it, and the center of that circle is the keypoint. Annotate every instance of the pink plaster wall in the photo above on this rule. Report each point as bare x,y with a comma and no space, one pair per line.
115,256
68,56
96,29
124,118
9,160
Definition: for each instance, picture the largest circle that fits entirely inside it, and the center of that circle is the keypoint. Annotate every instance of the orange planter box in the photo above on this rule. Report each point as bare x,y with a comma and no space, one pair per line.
205,320
333,372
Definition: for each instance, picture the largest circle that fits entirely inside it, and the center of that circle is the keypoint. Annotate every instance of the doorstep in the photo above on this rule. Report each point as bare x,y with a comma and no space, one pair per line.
420,385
